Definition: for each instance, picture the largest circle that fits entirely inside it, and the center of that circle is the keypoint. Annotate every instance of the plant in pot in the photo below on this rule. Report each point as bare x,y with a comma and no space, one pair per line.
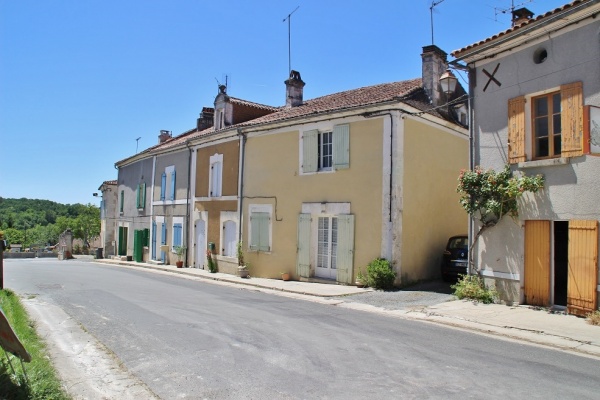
180,253
285,276
212,266
361,279
243,267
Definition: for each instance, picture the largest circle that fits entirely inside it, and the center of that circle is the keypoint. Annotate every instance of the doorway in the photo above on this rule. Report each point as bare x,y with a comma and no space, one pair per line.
561,262
326,266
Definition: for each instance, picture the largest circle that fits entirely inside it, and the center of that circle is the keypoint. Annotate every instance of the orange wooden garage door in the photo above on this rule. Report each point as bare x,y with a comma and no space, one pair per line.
583,267
537,263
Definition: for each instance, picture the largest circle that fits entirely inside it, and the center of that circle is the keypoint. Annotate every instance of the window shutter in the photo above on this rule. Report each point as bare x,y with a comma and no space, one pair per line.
571,116
516,130
177,234
215,179
229,239
259,231
345,248
341,146
137,197
303,246
143,204
163,186
122,204
310,147
173,185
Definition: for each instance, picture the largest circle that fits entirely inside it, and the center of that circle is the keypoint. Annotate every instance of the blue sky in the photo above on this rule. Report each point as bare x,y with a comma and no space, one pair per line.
81,80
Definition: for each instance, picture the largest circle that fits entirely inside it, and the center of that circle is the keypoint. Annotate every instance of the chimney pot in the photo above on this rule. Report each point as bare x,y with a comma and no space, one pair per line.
294,90
164,136
521,15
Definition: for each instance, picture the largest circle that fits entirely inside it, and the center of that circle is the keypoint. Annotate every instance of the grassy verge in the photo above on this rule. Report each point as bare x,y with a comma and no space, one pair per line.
41,381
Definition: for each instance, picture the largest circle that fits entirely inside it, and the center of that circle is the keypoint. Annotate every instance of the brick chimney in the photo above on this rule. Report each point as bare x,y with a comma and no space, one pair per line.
206,118
434,64
164,136
521,15
294,90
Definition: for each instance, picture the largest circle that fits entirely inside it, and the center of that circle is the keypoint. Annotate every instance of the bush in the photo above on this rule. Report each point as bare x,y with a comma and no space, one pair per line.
380,274
593,318
472,287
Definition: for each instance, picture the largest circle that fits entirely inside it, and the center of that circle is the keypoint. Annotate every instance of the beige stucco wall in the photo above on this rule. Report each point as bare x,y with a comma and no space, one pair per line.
272,171
230,151
433,159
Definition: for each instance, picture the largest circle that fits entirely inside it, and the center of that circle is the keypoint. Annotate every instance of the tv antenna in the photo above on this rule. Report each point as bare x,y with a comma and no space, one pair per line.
289,20
136,144
433,4
513,6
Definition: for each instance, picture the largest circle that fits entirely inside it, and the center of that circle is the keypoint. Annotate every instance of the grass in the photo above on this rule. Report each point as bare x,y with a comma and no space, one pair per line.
39,380
593,318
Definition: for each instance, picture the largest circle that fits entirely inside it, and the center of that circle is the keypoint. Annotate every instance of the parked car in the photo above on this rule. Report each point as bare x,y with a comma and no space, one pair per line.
454,260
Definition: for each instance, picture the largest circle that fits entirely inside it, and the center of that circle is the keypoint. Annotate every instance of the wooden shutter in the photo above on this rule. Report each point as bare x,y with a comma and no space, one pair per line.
173,185
303,246
341,146
537,263
345,248
583,267
215,179
177,234
310,148
571,119
259,231
163,186
516,130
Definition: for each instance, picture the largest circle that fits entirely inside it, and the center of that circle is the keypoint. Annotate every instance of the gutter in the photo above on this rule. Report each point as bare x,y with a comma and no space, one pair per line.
187,212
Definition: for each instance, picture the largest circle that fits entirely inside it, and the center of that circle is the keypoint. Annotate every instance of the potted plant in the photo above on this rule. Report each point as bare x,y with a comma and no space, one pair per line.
179,252
243,267
285,276
212,266
361,279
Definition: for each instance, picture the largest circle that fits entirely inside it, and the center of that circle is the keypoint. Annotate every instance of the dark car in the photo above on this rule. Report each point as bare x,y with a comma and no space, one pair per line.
454,260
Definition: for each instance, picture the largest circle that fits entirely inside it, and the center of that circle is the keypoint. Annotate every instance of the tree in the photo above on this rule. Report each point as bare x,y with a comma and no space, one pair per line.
489,195
87,224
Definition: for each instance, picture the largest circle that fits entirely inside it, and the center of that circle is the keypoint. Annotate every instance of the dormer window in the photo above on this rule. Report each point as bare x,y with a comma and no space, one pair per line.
219,119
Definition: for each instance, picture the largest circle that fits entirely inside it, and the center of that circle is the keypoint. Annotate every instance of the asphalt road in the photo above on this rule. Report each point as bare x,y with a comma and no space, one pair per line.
192,339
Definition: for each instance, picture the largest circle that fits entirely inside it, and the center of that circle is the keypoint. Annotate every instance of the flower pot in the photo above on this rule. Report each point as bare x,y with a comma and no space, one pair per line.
243,272
359,284
179,264
285,276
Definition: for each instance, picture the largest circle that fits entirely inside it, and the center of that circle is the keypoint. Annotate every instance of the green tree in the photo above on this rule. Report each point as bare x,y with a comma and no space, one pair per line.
87,224
489,195
14,236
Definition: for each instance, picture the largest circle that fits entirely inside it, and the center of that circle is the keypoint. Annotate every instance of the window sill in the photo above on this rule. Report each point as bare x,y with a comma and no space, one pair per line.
544,163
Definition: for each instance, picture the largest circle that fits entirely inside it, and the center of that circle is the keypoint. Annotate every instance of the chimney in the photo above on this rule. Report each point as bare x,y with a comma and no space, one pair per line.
206,118
164,136
521,15
294,89
434,65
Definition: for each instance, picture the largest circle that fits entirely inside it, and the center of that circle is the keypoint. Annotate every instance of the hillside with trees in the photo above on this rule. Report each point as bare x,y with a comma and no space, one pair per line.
38,223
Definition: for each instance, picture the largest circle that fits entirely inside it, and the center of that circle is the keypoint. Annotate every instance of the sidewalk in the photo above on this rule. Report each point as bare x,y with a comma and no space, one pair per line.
524,323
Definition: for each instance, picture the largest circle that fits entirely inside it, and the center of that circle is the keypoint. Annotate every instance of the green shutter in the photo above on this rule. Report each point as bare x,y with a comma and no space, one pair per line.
310,148
137,196
259,231
122,201
303,246
345,248
341,146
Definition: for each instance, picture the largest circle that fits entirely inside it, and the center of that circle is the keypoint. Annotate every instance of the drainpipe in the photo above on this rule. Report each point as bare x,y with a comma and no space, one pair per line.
471,71
187,212
241,181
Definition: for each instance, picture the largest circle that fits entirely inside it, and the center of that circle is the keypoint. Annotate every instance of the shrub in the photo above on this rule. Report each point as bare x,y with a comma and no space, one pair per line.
380,274
472,287
593,318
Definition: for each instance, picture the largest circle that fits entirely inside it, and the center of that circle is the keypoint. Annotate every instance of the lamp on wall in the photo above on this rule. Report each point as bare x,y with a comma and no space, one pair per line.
448,82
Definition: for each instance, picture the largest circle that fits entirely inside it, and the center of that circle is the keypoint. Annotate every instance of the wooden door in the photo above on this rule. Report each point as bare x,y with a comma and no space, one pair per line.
537,263
583,267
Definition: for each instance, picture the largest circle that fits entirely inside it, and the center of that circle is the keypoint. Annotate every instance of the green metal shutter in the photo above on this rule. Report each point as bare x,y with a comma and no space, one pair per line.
138,245
310,147
341,146
345,248
303,246
259,231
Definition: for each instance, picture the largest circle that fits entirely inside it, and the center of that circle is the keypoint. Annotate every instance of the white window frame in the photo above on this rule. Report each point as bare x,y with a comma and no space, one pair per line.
225,217
260,208
215,185
311,141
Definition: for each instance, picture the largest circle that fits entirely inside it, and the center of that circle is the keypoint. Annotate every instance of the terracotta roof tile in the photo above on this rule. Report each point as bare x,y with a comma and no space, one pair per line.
458,53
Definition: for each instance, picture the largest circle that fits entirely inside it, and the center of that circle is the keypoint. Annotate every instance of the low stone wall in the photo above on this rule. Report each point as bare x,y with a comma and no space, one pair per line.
30,254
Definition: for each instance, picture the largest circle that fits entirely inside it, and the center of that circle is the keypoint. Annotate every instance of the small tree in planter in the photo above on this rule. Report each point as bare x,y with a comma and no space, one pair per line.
180,253
243,269
212,266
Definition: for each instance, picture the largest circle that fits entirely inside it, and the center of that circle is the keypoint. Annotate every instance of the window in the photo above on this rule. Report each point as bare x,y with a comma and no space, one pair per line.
260,228
122,202
141,196
327,150
546,126
229,240
216,175
220,119
177,234
555,127
167,181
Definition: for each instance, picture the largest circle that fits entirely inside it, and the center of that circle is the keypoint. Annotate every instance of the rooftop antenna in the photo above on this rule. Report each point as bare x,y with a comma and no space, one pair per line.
289,20
433,4
136,144
513,6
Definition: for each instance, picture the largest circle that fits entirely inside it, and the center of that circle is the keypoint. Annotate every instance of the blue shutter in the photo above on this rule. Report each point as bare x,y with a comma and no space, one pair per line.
173,185
341,147
154,240
163,240
163,186
177,234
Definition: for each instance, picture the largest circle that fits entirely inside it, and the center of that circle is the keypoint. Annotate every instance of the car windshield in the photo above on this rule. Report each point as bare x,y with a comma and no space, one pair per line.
458,243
